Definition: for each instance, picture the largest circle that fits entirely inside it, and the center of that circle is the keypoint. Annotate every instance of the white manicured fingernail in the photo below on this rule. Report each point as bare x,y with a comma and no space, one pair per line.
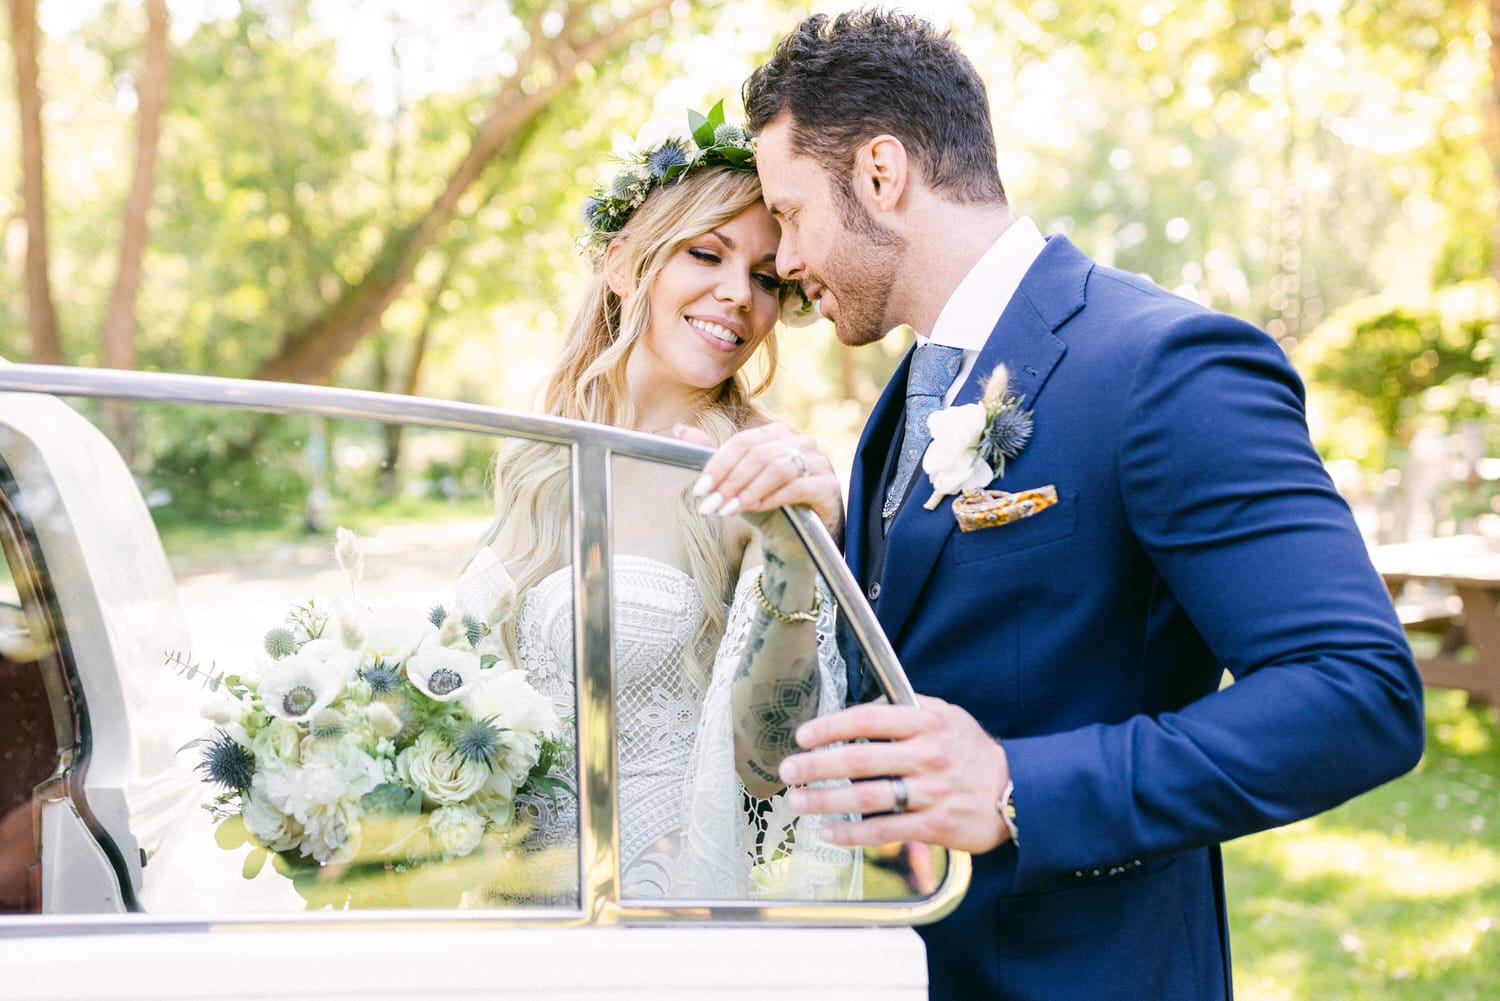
701,487
710,504
730,508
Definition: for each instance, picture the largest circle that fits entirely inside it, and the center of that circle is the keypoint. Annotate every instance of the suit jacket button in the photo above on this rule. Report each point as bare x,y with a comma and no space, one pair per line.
874,591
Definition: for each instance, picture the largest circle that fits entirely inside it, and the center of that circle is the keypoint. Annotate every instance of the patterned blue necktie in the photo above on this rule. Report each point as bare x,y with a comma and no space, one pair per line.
933,369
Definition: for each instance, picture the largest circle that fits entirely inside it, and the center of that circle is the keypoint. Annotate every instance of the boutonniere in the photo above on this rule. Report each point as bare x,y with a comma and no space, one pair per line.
971,443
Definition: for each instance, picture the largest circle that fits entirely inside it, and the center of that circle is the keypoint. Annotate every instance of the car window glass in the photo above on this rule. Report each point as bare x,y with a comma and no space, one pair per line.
341,695
683,610
237,710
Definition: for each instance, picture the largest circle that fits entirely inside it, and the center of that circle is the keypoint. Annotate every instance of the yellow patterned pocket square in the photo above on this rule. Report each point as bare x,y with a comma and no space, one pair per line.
976,509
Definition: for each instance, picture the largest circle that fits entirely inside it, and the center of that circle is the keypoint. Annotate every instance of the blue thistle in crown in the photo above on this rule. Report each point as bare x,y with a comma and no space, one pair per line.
662,159
665,157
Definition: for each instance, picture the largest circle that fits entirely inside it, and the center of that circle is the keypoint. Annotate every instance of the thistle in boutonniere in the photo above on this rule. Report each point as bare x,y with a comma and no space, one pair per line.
971,443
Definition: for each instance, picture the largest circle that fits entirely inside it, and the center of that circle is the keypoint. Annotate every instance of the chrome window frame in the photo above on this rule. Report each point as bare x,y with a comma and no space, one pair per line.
592,449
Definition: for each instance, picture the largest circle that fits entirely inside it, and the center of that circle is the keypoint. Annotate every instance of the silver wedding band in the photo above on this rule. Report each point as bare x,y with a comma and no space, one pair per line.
898,793
800,461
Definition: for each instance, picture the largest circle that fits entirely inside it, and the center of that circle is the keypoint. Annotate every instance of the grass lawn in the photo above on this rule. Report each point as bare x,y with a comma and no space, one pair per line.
1395,894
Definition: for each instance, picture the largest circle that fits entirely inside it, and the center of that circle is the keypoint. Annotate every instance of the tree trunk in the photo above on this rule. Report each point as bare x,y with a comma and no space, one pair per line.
412,379
120,320
46,342
545,70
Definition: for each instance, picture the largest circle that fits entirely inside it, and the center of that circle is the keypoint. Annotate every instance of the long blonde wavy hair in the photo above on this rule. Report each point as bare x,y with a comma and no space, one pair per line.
531,479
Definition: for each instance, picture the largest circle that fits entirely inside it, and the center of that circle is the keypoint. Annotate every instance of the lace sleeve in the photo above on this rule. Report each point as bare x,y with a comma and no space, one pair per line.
737,846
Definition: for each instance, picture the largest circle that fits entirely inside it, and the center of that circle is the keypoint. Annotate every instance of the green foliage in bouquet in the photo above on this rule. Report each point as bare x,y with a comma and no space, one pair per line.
369,746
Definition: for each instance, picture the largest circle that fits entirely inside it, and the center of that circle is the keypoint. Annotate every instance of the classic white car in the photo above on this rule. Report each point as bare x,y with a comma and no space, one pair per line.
112,879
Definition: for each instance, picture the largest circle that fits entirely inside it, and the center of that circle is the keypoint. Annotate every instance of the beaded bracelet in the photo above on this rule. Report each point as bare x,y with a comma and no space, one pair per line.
765,603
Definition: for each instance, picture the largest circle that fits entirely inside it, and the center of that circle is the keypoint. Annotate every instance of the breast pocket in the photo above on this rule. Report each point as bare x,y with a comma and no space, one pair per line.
1051,524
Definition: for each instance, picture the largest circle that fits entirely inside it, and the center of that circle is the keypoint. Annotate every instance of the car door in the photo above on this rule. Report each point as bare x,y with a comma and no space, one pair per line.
135,598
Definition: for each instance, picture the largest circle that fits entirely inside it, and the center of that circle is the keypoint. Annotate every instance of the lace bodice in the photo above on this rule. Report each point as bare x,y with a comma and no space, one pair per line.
685,830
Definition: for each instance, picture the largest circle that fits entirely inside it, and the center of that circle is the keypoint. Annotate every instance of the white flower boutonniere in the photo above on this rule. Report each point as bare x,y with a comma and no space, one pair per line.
971,443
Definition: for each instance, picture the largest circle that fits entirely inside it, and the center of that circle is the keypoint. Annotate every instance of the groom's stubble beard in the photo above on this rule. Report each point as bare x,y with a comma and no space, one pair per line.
861,271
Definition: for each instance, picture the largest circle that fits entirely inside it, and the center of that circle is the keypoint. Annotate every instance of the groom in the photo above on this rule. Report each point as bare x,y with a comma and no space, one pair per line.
1075,735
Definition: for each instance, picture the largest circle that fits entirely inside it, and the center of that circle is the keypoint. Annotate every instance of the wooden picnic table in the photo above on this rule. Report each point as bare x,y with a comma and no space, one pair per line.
1462,608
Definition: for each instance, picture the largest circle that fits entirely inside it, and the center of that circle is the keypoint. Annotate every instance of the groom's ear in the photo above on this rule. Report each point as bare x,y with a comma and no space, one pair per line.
881,173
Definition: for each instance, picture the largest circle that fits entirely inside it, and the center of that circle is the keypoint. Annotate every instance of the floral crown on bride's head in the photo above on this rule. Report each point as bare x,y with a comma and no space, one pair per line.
665,153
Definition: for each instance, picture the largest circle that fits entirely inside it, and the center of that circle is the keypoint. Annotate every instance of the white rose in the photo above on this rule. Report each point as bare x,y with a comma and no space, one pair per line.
456,830
952,461
497,800
331,831
505,697
323,796
659,130
430,766
954,471
958,427
277,741
271,825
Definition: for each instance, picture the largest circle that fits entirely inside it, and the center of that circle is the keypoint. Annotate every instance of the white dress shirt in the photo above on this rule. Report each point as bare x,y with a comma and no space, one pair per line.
975,306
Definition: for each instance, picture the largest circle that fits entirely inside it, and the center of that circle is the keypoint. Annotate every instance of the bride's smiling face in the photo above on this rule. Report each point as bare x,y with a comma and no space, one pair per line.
715,300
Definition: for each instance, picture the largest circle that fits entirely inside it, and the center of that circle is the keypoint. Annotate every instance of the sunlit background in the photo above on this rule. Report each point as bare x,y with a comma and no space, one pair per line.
327,204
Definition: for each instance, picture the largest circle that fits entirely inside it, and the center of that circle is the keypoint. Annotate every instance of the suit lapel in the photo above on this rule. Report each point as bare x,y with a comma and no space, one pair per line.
1023,339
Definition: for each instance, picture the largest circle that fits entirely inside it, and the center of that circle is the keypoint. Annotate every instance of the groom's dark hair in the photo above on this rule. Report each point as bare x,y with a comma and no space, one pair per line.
846,79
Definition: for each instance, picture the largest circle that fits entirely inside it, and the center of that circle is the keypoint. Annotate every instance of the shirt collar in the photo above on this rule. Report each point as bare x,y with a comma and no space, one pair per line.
975,306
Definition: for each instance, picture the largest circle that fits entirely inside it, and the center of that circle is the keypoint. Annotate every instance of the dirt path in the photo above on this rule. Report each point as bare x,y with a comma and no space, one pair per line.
407,567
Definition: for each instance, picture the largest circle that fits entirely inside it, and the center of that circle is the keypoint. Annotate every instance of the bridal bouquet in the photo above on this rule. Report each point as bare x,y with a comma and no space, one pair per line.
381,737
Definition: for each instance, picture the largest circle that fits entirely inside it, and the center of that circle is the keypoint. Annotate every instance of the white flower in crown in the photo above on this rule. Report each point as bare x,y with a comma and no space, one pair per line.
971,443
660,130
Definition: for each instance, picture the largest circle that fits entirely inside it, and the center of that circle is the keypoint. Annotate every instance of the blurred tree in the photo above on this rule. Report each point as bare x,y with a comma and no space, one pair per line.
46,342
119,349
558,43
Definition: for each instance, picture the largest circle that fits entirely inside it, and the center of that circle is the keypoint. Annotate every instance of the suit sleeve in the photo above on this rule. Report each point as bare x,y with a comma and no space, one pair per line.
1229,500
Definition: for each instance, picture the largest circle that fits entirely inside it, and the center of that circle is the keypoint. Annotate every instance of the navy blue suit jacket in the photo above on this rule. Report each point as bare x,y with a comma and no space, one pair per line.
1196,532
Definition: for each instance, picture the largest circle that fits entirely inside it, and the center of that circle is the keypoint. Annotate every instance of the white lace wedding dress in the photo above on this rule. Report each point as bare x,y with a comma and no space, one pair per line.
687,827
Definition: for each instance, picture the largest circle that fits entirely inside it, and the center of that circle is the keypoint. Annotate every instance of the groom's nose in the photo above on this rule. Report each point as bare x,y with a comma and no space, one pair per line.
789,263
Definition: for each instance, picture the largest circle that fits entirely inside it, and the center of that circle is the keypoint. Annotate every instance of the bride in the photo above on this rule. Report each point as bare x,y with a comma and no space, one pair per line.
724,637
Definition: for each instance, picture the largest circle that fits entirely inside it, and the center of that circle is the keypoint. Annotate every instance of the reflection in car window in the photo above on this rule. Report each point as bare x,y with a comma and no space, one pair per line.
682,612
234,674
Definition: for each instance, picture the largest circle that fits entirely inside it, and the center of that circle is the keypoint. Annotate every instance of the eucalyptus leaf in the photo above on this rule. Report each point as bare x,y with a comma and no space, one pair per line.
232,833
255,861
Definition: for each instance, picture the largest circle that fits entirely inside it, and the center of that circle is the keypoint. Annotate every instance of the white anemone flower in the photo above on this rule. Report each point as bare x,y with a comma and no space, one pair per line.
443,673
392,636
294,688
